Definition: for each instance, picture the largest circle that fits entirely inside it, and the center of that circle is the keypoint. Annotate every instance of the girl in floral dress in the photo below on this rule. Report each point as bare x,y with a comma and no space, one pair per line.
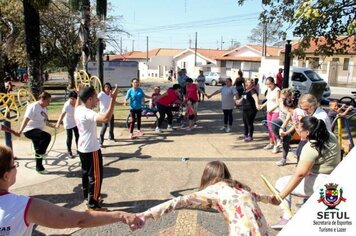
230,197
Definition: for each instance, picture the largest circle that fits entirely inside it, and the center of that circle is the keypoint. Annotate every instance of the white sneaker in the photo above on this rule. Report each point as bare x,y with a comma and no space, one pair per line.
169,128
268,146
281,162
223,128
158,130
228,130
275,149
279,143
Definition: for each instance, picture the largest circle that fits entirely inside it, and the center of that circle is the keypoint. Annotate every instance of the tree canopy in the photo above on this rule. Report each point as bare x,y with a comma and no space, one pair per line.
273,33
312,20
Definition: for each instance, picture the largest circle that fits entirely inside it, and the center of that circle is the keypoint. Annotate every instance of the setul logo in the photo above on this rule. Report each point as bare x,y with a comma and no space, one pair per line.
331,196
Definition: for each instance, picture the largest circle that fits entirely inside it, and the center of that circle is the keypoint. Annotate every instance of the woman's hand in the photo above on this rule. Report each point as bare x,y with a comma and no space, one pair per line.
275,200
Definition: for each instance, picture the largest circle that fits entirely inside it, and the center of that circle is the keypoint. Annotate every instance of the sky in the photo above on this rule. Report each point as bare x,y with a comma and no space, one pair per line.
174,23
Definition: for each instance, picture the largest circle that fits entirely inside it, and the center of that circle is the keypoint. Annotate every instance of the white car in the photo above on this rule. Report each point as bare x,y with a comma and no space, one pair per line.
214,78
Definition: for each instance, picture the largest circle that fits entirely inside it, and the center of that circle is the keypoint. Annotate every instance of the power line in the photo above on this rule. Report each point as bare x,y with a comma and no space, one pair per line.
200,23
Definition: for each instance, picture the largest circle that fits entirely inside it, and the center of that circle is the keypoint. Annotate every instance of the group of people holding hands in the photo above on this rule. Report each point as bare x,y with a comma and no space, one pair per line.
318,154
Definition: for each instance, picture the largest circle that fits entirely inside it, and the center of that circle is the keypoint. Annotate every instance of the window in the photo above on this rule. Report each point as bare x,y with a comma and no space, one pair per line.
346,64
236,64
223,63
336,59
299,77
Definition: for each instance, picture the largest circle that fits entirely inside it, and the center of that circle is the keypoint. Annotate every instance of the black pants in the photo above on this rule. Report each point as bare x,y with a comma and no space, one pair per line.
92,176
40,140
70,137
163,110
248,117
135,115
275,126
104,126
228,117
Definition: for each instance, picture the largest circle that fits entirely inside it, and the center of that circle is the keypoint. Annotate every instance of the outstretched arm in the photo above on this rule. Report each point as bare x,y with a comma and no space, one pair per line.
59,217
203,198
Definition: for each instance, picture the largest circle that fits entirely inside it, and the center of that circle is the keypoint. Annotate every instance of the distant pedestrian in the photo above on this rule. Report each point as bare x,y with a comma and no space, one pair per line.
201,85
136,96
272,105
104,104
240,83
249,101
228,97
279,78
69,124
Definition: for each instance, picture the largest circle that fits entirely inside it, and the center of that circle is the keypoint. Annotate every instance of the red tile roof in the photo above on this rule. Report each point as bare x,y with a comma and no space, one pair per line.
142,55
321,41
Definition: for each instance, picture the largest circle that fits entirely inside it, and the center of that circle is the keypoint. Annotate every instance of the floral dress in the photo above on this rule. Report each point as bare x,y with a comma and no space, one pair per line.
238,206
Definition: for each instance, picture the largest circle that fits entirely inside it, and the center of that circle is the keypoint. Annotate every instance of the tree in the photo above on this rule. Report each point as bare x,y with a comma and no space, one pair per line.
33,43
60,40
315,20
273,33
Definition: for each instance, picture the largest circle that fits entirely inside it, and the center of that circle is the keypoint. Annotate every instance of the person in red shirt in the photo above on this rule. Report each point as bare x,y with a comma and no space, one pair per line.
191,93
279,78
163,103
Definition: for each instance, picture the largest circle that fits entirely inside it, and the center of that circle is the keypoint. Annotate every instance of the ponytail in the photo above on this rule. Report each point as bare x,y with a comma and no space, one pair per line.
318,133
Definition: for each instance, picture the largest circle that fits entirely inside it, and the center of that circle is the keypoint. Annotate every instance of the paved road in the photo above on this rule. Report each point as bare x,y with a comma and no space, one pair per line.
144,172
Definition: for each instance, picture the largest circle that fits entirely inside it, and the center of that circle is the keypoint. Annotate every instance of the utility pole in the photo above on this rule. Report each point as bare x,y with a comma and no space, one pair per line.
221,43
190,43
288,50
120,45
147,50
196,46
133,45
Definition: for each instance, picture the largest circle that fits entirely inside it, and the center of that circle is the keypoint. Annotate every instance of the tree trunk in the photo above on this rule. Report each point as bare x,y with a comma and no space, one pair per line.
32,32
2,71
85,33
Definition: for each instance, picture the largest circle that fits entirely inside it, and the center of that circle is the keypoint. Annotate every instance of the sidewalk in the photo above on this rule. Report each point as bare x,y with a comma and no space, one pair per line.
144,172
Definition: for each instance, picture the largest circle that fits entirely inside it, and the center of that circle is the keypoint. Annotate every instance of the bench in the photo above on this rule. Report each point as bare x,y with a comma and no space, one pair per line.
47,87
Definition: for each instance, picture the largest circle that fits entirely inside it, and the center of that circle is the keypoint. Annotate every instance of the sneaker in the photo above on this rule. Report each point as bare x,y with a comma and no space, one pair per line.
223,128
70,154
280,224
228,130
188,129
243,137
195,126
131,136
112,139
279,143
275,149
268,146
42,172
96,208
281,162
158,130
248,139
139,133
169,128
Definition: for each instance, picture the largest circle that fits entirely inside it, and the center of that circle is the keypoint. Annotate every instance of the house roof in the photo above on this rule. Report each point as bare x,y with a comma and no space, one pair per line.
271,51
142,55
351,48
208,54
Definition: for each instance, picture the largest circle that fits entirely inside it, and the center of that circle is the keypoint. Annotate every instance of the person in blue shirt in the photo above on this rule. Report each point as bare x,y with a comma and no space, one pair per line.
136,97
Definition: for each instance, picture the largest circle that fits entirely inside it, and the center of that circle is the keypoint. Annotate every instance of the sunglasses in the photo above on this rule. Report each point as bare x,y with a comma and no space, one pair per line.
16,164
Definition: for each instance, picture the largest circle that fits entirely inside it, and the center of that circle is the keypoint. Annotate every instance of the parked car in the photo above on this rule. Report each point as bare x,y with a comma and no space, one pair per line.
215,78
306,81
